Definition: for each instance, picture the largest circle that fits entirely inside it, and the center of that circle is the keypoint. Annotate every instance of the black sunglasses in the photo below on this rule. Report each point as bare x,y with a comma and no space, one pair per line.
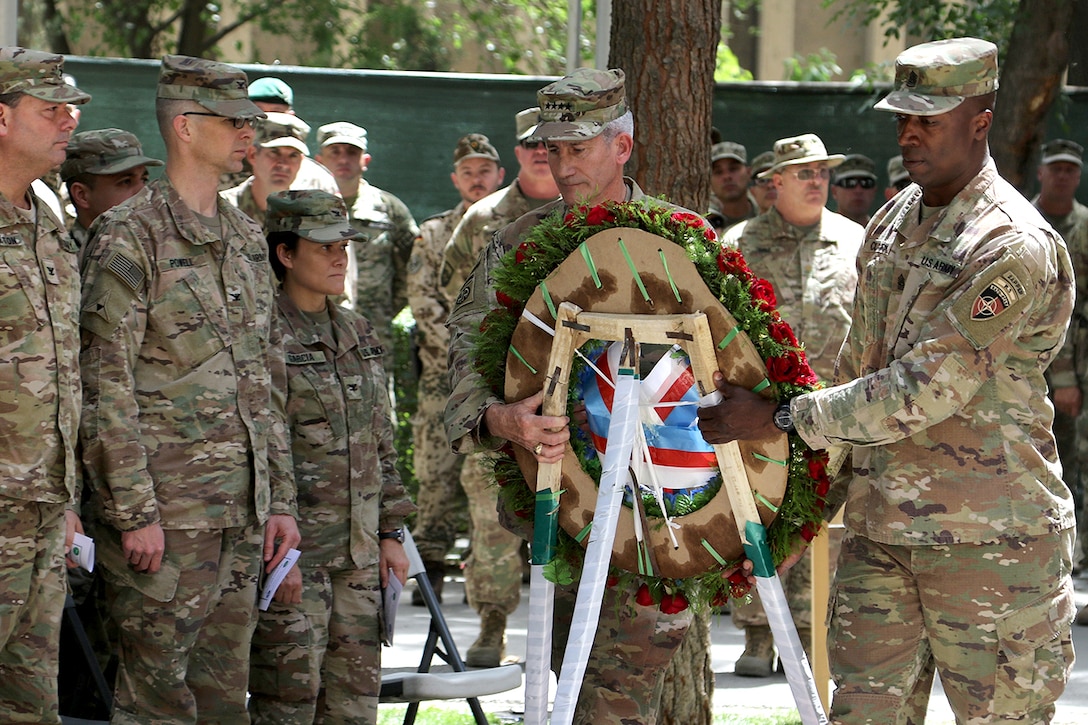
238,123
864,182
531,144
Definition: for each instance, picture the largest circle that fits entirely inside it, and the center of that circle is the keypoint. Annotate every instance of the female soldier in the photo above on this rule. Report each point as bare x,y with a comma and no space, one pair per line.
316,655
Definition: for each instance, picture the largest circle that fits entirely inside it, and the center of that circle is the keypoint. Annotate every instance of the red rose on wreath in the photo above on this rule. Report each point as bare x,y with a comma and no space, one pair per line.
784,368
508,302
692,220
738,584
709,235
599,215
731,261
809,531
524,252
674,603
643,596
763,295
782,333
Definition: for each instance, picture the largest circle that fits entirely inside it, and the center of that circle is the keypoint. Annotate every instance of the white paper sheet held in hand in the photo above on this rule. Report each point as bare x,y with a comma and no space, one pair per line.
276,578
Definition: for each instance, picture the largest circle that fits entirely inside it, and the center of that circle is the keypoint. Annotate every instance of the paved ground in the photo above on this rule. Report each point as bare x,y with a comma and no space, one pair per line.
728,642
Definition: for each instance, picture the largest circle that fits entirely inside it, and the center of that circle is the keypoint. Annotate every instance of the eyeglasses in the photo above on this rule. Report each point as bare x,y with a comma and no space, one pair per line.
765,181
811,174
238,123
531,144
864,183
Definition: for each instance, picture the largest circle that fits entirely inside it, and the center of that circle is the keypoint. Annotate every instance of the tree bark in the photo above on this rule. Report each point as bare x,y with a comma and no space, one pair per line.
1030,81
1078,51
667,49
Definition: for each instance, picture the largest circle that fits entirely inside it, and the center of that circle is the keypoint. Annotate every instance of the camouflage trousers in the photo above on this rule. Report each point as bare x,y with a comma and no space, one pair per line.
992,618
320,661
184,631
493,570
797,583
631,649
438,471
32,591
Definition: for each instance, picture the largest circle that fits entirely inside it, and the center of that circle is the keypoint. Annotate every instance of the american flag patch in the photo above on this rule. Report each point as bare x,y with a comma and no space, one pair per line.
126,270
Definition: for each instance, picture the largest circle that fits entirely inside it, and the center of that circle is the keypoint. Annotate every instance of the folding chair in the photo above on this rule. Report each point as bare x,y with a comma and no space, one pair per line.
413,687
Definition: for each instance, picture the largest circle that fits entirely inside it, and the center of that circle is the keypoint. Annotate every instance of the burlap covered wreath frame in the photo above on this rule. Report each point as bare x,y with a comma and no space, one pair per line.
751,303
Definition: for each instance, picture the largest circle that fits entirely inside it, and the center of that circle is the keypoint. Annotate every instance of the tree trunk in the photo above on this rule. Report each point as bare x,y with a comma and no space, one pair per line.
667,49
194,30
1030,81
1078,51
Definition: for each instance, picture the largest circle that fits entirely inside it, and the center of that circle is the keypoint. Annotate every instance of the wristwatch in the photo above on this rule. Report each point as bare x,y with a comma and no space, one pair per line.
397,534
783,418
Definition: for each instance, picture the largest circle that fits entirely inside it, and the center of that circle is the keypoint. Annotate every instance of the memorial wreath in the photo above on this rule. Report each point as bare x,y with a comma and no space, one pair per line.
751,302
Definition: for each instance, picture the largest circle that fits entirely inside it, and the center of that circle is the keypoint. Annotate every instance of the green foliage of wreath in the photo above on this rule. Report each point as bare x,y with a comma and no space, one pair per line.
752,303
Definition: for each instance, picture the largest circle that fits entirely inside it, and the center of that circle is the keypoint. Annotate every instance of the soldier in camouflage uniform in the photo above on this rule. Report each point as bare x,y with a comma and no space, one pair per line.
275,157
807,252
762,187
854,188
959,530
39,385
1059,176
184,441
378,278
898,178
730,200
493,571
101,169
586,111
351,501
476,174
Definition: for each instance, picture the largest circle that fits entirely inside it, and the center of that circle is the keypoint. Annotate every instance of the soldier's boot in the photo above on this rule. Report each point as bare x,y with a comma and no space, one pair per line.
436,575
1082,615
758,657
490,647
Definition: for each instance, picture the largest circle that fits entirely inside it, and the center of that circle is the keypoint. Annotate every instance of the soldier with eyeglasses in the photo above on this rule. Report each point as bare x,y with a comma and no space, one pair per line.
854,188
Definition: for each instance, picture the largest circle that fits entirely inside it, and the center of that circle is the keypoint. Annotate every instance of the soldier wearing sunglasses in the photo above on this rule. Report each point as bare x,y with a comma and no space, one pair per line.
854,188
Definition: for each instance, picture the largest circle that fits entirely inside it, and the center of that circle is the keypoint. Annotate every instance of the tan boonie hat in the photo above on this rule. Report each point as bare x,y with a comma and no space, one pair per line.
526,122
1061,149
312,214
283,130
728,150
804,149
579,105
474,146
104,151
219,87
342,132
856,166
933,78
896,171
37,74
762,162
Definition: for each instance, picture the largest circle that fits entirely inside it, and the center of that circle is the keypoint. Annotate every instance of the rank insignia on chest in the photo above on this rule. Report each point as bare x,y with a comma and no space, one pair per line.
353,387
998,296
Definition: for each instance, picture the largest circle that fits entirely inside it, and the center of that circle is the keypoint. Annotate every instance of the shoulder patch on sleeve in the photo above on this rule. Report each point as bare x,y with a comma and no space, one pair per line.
125,270
993,302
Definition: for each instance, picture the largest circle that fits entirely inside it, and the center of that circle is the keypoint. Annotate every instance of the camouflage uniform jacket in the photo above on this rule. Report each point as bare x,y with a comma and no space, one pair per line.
241,196
181,421
1071,368
430,306
482,219
813,273
471,396
381,258
341,437
721,222
79,235
955,319
39,377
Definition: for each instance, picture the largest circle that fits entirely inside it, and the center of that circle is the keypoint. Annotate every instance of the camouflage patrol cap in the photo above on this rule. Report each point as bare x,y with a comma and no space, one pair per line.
579,105
896,171
526,122
312,214
104,151
474,146
37,74
1061,149
342,132
728,150
271,90
933,78
218,87
762,162
856,166
283,130
804,149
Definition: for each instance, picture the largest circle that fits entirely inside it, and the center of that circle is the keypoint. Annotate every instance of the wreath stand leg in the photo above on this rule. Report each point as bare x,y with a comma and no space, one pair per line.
692,332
